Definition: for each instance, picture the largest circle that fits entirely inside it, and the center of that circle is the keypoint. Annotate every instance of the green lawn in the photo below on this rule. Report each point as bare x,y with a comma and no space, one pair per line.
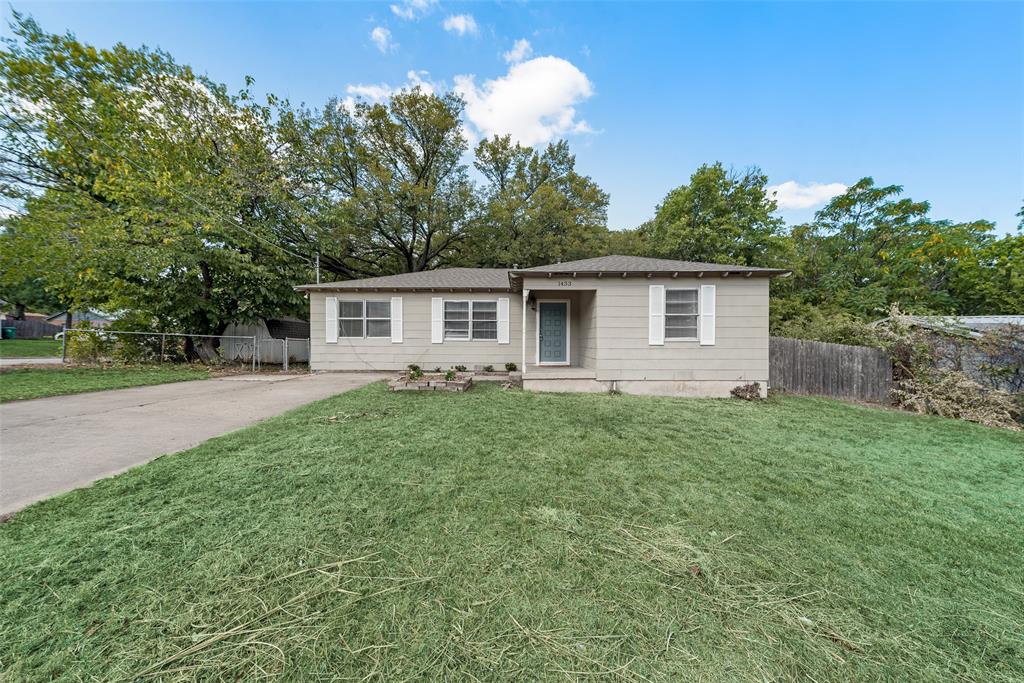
29,348
40,382
502,535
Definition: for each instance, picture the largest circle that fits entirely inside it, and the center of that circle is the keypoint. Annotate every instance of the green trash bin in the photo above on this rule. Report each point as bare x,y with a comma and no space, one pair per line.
9,333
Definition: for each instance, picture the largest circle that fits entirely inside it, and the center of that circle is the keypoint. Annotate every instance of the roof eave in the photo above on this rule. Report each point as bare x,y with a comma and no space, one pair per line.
767,272
372,288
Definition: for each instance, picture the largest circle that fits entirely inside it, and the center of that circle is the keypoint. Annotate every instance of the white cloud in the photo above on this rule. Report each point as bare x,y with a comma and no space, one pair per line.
793,195
520,51
370,92
378,92
412,9
461,24
381,37
534,102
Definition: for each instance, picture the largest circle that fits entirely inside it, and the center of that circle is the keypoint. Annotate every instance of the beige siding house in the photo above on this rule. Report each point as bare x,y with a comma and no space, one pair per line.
632,324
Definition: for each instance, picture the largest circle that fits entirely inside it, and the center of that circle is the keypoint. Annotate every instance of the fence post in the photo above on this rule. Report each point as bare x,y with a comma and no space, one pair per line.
254,353
163,340
64,345
285,361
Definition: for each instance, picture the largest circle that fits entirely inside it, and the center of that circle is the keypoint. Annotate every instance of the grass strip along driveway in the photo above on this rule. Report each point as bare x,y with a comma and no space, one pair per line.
516,536
29,348
28,383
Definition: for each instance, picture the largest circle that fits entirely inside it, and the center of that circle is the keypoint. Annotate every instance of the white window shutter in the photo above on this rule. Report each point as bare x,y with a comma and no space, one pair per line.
331,319
656,334
396,320
707,315
503,321
436,320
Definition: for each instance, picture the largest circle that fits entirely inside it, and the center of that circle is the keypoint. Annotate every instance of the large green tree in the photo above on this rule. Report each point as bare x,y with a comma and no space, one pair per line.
536,208
990,280
720,216
378,188
870,247
142,185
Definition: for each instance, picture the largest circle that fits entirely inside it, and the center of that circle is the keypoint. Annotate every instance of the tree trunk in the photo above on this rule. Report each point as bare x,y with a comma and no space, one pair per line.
202,349
19,311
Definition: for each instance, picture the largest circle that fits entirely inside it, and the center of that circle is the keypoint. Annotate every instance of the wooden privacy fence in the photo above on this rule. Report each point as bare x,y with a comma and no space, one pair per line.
32,328
817,368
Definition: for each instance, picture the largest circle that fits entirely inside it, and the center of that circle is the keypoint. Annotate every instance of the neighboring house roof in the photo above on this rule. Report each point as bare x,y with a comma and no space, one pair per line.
508,280
965,325
446,278
642,264
293,328
79,316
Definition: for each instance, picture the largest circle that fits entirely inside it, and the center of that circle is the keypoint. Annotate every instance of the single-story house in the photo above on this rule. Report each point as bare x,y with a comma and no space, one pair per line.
625,323
78,317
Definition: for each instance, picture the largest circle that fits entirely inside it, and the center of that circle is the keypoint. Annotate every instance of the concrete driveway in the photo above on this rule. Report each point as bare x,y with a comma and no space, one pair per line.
52,445
13,362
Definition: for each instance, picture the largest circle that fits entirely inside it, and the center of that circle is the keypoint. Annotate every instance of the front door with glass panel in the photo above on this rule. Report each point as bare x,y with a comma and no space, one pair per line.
553,332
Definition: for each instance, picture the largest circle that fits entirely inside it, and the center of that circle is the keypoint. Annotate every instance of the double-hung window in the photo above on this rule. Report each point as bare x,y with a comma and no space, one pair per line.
681,313
364,319
471,320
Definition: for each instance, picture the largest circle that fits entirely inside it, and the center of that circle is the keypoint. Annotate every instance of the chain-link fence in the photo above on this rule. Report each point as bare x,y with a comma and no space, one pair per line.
98,346
287,352
89,345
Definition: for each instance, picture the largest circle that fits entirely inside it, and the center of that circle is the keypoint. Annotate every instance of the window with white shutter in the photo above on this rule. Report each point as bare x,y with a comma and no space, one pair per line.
396,320
656,310
331,319
707,315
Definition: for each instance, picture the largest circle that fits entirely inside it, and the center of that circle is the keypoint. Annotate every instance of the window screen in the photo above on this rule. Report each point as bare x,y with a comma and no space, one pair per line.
471,320
378,318
681,314
364,319
350,319
485,319
456,320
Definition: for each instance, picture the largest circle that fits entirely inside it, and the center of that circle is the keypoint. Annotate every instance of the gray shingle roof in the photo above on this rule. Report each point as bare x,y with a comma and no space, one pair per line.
641,264
501,279
445,278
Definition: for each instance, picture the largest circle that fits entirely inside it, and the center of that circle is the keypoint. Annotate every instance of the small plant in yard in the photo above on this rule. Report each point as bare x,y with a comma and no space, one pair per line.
415,372
88,345
460,368
511,367
450,375
488,368
413,367
437,369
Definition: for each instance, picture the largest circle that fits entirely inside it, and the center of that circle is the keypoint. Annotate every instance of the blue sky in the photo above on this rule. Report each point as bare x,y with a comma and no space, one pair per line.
928,96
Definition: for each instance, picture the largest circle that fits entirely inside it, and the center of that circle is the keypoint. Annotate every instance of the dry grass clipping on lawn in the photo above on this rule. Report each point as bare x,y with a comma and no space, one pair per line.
500,535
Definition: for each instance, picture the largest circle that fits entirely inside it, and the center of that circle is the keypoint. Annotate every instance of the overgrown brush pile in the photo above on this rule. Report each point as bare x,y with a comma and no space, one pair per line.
950,393
948,372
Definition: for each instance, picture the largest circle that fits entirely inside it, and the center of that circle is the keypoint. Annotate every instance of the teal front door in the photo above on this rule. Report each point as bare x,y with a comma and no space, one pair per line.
553,331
